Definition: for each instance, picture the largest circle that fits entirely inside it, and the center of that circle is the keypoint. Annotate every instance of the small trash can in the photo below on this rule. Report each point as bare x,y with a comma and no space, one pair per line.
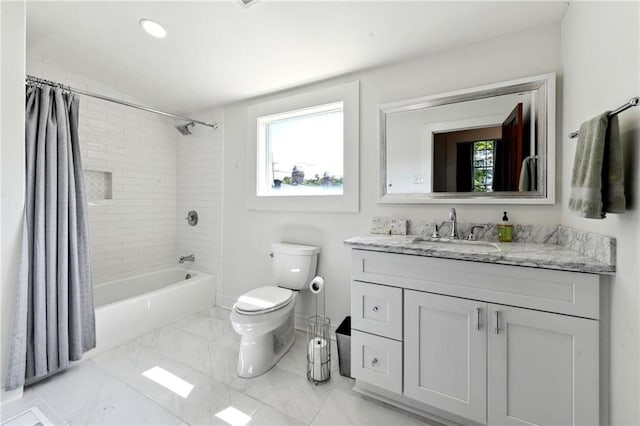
343,338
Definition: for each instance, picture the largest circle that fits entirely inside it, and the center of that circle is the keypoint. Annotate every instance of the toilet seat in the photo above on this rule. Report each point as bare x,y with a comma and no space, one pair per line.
263,299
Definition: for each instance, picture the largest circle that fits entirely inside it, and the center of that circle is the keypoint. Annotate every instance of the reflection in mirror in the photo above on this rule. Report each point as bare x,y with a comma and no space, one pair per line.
484,144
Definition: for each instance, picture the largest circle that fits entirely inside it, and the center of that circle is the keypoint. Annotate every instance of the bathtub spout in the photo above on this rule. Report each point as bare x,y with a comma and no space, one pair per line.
189,258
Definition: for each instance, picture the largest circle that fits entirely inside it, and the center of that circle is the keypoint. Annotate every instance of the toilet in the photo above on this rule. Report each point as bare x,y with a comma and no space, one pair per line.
264,316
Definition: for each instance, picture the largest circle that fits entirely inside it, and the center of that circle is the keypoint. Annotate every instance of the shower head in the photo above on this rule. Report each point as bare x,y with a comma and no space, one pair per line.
184,128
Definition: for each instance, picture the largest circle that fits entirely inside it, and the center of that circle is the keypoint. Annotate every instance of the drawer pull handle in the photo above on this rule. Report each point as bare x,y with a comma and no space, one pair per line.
374,362
497,329
375,309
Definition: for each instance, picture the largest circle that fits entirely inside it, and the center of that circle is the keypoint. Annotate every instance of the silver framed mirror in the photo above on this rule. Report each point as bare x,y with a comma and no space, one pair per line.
492,144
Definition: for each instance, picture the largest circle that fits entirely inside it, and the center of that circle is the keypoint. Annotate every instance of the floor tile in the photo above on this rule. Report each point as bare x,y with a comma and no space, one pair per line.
207,398
293,395
344,409
128,362
81,384
268,416
201,349
208,326
219,313
224,360
128,408
30,399
86,394
181,346
295,361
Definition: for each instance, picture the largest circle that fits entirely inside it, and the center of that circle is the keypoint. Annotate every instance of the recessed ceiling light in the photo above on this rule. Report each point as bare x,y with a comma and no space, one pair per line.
153,28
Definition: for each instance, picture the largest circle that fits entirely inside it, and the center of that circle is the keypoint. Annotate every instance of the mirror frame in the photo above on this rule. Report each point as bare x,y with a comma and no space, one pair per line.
546,144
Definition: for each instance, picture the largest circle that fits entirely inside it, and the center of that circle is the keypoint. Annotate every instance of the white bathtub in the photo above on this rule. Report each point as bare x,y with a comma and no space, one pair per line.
131,307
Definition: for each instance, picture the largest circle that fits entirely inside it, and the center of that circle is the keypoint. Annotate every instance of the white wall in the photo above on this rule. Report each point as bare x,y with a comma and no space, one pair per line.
135,232
199,187
248,234
600,61
12,159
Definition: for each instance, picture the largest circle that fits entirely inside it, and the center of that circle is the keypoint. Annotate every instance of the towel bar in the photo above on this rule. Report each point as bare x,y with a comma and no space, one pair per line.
632,102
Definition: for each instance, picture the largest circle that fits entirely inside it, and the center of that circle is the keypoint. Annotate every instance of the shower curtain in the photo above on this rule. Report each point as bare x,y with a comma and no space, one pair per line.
54,319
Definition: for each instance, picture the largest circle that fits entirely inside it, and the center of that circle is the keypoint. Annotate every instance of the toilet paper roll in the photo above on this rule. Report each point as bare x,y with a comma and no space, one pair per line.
316,285
318,359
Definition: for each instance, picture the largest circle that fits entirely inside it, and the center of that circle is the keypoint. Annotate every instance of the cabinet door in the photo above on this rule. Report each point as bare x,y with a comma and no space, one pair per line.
543,368
446,353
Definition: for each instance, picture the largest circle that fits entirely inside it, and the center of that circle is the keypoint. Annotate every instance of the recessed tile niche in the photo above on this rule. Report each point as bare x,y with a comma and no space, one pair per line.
98,185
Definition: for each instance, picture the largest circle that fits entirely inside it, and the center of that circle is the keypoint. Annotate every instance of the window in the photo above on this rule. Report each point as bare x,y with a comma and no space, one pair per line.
302,151
483,166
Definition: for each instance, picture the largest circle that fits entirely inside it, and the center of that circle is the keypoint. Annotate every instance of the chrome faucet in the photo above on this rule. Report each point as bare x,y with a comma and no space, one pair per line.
453,218
189,258
473,236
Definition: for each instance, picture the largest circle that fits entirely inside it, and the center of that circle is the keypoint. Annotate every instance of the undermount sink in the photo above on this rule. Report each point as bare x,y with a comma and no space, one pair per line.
446,243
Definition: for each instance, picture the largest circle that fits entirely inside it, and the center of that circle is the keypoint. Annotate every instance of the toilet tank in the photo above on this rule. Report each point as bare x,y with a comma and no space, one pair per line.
293,266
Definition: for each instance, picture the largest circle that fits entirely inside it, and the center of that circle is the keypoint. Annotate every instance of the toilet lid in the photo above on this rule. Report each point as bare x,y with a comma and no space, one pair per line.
264,299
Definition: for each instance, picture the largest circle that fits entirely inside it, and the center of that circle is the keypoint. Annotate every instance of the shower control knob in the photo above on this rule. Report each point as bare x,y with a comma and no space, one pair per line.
374,362
375,309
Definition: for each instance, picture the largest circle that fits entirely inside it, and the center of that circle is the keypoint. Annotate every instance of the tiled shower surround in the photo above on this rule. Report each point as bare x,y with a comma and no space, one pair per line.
137,230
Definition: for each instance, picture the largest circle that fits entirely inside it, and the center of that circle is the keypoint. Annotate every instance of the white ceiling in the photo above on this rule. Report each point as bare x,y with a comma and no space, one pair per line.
218,52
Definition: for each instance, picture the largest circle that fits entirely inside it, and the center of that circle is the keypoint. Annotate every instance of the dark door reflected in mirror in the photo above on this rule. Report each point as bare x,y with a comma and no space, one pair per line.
486,159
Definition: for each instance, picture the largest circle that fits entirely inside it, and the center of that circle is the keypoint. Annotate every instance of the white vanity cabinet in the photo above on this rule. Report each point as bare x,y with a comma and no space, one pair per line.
478,343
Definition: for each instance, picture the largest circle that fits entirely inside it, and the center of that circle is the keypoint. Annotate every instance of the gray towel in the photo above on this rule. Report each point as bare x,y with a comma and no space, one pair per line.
528,175
598,173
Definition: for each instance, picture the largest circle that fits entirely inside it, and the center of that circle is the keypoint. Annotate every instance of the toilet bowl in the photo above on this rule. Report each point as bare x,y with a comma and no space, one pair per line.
264,317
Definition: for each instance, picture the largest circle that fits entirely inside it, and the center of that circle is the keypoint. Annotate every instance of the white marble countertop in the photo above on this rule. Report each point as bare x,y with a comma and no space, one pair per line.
547,256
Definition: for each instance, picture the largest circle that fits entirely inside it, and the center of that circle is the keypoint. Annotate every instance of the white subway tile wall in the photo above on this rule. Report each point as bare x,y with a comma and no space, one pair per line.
200,188
135,231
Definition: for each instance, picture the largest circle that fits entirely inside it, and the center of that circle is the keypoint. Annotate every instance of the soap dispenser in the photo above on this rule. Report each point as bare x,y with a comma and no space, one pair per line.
505,230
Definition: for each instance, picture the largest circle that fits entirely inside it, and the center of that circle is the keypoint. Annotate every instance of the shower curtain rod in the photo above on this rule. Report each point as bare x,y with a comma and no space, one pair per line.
35,81
632,102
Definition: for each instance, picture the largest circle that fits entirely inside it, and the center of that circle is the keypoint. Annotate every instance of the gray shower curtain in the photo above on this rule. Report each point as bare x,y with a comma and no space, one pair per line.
54,319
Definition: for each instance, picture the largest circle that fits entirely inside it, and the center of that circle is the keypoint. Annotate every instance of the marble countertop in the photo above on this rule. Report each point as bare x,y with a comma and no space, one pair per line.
547,256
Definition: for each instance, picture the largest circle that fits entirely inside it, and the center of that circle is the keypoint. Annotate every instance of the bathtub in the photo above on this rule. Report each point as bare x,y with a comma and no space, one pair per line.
131,307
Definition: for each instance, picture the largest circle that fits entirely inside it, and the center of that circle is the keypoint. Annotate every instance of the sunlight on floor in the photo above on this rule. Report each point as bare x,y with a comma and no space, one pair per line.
233,416
170,381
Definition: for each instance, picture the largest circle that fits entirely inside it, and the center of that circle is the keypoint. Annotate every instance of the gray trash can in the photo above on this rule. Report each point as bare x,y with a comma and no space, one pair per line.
343,338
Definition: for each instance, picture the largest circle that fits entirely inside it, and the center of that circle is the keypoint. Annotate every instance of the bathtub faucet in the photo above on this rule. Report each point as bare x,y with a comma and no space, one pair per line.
190,258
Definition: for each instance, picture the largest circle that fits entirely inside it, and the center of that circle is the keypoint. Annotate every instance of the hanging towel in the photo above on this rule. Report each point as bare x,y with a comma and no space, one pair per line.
528,175
598,174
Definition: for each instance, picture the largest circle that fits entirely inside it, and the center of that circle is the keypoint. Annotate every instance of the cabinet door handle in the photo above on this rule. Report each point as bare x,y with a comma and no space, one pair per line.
374,362
478,312
497,329
375,309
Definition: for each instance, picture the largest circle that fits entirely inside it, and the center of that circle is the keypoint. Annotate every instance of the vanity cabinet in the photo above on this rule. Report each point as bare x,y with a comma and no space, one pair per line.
477,343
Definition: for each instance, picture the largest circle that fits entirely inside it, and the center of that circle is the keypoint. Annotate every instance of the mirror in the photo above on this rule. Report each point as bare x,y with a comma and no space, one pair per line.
490,144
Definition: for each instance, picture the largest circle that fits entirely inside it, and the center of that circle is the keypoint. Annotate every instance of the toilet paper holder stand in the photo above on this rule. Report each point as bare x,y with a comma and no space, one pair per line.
318,337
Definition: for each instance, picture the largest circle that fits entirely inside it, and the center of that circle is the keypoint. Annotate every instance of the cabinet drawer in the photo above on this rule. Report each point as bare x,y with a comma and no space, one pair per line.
376,360
376,309
570,293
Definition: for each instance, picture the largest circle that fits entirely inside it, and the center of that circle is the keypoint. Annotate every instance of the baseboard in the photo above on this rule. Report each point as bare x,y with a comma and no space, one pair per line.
433,414
10,396
226,302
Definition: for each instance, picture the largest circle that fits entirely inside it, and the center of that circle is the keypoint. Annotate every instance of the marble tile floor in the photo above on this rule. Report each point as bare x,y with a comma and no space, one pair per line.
198,355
